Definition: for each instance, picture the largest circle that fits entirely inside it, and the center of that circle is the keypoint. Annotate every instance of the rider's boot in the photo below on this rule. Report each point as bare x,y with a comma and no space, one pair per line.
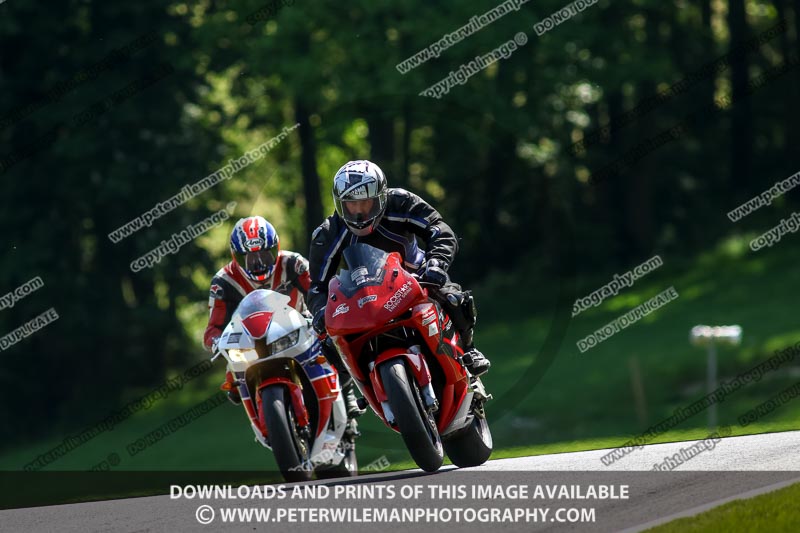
473,359
350,401
348,385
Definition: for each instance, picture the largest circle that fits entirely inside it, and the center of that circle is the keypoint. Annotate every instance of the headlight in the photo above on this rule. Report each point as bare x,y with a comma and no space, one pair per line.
285,342
240,356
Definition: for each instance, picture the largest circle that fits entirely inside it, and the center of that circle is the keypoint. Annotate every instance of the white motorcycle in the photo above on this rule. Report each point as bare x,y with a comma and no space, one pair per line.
290,391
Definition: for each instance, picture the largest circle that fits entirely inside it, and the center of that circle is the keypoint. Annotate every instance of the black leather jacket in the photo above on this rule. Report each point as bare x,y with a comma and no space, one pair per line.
407,217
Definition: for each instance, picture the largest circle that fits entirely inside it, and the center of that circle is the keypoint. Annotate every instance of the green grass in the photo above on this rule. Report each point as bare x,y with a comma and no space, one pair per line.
580,401
774,512
584,396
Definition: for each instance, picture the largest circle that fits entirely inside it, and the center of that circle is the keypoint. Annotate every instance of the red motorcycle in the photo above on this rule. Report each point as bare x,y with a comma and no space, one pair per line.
403,352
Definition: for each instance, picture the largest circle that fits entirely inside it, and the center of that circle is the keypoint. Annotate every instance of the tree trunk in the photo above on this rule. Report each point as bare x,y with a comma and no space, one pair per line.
408,125
381,140
705,13
308,168
789,130
741,115
796,10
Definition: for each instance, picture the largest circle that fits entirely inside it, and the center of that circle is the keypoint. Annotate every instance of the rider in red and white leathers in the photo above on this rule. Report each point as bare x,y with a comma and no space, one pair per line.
257,263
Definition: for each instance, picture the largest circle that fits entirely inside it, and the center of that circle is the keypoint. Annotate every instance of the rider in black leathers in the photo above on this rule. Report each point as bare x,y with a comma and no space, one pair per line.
393,220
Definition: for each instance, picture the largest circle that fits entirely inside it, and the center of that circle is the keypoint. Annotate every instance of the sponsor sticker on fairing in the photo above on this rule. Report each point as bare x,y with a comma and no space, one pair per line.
366,299
398,297
342,309
359,275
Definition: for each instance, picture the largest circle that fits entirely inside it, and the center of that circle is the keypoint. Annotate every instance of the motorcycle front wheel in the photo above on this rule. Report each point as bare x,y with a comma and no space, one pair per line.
416,424
290,448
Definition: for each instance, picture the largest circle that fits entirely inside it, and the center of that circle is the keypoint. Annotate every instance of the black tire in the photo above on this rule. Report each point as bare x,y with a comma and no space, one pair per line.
290,449
417,427
471,446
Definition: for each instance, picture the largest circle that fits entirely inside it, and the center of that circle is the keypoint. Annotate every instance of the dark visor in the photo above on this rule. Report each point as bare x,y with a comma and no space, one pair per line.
258,262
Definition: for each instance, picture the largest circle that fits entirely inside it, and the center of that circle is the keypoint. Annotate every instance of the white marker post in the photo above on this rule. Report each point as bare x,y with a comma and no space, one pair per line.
709,336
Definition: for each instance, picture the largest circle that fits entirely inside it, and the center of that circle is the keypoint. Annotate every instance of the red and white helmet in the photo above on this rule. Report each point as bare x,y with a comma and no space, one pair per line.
255,247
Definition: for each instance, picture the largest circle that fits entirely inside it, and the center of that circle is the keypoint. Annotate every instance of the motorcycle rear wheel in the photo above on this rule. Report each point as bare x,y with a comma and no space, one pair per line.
291,450
416,425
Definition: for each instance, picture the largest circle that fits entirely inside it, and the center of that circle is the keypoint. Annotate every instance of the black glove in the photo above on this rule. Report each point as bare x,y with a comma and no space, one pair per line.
319,322
435,273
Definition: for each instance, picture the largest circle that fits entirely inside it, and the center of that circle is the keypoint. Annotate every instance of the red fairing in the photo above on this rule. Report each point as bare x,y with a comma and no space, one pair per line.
251,412
327,389
257,324
296,392
353,321
416,362
372,306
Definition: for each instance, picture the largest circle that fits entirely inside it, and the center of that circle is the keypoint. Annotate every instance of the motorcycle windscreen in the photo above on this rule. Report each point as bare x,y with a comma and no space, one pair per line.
261,300
365,266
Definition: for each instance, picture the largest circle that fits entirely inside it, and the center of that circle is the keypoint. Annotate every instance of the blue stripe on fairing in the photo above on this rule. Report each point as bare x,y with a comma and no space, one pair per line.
308,354
316,371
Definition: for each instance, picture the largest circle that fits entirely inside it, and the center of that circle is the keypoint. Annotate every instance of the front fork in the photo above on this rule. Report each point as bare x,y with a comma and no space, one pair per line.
292,383
422,375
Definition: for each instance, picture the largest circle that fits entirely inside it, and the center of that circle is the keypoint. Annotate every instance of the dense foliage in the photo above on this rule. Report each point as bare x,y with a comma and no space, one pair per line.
82,155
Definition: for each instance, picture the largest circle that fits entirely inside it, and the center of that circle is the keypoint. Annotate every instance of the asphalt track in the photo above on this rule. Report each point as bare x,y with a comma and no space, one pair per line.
736,467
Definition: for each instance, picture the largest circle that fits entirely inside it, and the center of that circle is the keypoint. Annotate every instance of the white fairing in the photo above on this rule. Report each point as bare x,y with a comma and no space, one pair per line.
238,348
285,320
